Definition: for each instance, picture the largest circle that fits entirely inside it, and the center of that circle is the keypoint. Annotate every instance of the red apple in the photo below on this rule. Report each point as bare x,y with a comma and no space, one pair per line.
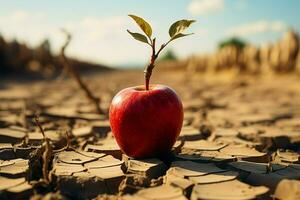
146,123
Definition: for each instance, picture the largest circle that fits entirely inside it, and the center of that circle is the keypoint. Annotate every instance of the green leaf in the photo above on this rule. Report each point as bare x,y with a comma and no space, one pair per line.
145,26
179,26
138,37
179,35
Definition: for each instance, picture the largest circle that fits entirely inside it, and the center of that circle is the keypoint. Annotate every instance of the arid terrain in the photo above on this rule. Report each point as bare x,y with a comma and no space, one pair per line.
240,140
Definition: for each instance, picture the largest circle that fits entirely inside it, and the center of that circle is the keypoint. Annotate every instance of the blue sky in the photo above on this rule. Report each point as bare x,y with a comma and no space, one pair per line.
99,26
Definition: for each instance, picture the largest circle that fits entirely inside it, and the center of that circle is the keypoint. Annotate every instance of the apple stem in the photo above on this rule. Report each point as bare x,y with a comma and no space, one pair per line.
154,56
148,72
149,68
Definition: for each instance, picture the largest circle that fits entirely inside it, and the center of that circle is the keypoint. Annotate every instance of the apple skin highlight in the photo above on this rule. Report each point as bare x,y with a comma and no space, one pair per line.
146,123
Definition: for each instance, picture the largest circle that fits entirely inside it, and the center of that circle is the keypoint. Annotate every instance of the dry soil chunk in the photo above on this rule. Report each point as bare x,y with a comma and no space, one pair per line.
288,190
15,167
245,153
151,168
6,183
5,146
161,192
184,184
91,182
64,112
203,145
248,119
107,172
11,136
278,137
112,176
82,186
187,169
65,169
73,157
82,131
196,155
289,156
231,190
190,133
225,132
14,188
107,146
106,161
214,178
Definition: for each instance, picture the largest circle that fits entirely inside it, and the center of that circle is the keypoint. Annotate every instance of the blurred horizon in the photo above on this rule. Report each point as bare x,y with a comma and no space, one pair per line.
99,28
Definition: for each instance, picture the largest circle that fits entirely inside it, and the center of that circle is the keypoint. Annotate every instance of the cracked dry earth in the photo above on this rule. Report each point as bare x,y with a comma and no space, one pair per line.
240,140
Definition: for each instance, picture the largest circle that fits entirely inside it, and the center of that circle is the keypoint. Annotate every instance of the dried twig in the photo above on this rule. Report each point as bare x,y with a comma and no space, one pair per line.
69,68
47,153
68,146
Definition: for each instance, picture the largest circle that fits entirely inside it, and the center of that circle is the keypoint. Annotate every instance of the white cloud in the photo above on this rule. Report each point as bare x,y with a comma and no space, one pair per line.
257,27
95,28
25,26
102,40
201,7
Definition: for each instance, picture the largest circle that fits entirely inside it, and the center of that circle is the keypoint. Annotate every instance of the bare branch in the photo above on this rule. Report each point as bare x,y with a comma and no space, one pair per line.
37,122
75,74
